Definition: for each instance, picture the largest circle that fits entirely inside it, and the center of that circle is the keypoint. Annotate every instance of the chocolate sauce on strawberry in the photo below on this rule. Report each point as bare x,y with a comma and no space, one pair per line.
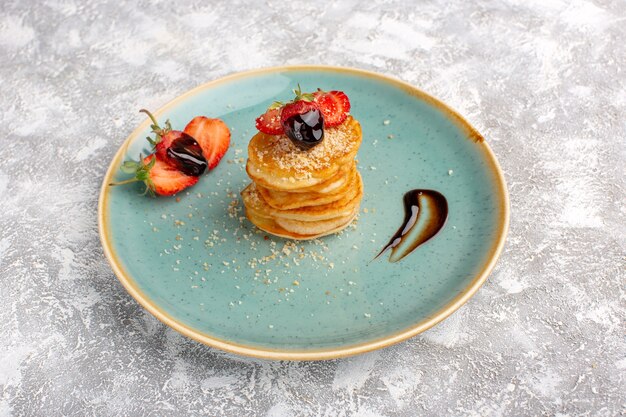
187,156
425,214
305,130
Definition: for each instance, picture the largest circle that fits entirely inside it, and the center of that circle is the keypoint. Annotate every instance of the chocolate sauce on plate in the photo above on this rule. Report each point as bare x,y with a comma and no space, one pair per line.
425,214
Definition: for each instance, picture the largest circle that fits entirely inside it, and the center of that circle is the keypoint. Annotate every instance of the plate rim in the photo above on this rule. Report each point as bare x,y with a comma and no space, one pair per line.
324,353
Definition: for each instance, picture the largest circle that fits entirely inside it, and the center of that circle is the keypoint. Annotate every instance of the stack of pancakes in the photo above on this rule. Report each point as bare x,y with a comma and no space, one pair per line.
304,194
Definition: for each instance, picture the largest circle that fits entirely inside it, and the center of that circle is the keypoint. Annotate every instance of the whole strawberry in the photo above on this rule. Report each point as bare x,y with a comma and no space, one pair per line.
302,120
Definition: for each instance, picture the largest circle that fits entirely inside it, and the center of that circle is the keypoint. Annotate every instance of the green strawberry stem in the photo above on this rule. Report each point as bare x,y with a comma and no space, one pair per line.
301,96
276,105
154,121
124,182
158,131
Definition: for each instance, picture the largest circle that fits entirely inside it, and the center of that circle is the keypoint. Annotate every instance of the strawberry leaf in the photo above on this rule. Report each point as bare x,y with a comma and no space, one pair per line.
141,172
129,167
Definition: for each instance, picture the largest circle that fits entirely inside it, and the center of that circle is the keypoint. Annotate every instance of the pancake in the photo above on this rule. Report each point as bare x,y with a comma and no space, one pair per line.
337,180
318,227
304,194
270,226
284,200
275,162
253,201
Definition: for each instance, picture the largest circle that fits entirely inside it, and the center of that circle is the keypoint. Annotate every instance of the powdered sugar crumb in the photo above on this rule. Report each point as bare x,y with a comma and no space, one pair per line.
281,152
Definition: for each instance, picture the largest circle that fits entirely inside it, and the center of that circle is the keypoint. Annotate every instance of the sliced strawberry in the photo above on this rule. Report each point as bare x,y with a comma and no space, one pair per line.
213,136
159,176
269,122
166,179
334,105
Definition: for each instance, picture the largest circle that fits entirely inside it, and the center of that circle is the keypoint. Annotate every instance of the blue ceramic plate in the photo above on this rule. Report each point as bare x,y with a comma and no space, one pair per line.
199,266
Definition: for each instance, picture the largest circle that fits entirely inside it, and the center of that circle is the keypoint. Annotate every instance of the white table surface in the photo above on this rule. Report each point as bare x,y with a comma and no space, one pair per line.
544,81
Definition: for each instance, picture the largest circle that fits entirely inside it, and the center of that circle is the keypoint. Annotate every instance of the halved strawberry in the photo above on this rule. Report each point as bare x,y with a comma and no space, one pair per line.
334,105
213,136
269,122
159,176
166,179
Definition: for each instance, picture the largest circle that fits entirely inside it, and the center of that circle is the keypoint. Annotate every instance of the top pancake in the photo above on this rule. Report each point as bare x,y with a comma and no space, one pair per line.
276,163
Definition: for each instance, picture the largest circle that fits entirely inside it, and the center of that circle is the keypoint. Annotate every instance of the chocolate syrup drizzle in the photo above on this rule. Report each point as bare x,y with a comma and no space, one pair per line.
425,214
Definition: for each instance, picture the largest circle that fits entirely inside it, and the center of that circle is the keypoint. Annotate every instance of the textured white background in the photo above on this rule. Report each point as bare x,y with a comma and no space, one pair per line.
544,81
